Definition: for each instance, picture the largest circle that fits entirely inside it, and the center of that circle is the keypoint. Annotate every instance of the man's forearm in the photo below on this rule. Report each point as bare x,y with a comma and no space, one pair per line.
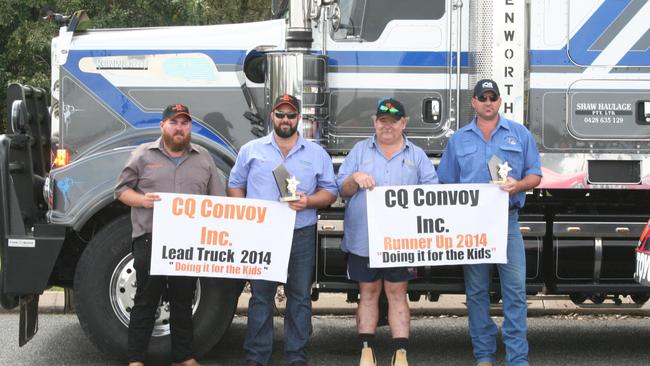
320,199
529,182
236,192
131,198
349,187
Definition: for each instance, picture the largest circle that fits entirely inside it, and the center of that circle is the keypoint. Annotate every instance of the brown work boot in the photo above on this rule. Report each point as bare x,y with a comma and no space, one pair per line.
367,357
190,362
136,364
399,358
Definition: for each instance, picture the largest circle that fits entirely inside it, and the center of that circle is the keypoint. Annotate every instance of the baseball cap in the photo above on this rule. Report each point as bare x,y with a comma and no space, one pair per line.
287,99
174,110
390,107
486,85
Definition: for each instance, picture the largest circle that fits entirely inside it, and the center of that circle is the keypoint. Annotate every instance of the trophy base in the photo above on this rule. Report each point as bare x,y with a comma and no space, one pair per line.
290,199
498,182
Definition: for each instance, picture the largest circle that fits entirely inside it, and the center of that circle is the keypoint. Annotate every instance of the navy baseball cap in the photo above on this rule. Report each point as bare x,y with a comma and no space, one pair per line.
486,85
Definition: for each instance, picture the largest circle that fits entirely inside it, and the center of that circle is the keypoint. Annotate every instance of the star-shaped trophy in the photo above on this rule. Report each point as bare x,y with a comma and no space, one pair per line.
499,170
287,185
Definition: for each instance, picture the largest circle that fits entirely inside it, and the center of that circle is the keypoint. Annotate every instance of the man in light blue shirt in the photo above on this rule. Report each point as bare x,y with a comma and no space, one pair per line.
387,158
465,160
252,177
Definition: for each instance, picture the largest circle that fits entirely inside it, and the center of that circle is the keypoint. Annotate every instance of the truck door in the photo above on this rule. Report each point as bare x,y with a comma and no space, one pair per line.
405,51
590,92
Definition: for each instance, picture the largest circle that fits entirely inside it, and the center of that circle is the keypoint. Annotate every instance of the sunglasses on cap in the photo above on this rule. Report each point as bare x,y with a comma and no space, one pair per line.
289,115
483,98
391,110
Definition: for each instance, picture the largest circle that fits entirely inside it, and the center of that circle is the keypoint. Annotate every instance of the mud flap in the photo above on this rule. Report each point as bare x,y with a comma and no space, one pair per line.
28,318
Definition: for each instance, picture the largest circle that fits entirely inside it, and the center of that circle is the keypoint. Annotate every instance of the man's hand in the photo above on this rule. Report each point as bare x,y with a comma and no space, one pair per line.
299,205
149,199
363,180
512,186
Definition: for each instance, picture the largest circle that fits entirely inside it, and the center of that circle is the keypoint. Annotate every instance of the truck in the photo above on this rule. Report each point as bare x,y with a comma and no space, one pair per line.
575,73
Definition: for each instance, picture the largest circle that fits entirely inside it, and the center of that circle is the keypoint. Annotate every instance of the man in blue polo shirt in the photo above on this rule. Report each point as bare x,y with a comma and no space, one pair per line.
252,177
465,160
387,158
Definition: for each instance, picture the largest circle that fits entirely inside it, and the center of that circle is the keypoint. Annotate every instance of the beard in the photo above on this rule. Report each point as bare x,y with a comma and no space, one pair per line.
285,133
177,145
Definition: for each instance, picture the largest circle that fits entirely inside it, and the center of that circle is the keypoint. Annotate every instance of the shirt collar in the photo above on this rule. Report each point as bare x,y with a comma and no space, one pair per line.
158,144
500,124
269,139
405,145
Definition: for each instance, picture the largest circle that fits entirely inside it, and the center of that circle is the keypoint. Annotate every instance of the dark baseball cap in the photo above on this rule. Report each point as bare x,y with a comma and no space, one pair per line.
174,110
486,85
391,107
289,100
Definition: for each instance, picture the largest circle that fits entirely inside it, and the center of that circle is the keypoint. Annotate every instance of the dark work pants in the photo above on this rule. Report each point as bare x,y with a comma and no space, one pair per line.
180,292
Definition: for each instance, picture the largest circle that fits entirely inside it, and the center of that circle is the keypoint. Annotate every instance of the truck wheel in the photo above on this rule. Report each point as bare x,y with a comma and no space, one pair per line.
578,298
104,286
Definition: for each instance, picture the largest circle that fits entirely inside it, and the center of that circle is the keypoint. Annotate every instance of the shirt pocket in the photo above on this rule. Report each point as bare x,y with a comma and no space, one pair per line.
195,181
468,159
153,177
409,173
514,155
261,171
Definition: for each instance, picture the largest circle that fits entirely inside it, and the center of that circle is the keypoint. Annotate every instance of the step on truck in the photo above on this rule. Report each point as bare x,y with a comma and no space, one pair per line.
576,73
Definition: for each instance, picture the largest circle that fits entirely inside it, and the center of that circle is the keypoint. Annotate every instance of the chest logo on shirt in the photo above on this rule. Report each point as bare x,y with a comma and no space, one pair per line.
409,163
153,166
510,140
305,163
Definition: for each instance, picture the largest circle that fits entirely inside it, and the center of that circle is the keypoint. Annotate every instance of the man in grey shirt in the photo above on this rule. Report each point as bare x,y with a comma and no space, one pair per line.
174,165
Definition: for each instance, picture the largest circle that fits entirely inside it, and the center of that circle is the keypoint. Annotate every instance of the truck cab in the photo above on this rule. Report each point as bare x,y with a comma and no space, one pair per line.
573,72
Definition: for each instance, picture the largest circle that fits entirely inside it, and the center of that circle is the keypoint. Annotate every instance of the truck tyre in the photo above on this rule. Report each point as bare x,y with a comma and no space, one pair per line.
104,286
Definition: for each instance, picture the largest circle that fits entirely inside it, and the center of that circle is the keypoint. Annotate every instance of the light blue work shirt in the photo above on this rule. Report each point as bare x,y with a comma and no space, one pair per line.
307,161
407,167
465,159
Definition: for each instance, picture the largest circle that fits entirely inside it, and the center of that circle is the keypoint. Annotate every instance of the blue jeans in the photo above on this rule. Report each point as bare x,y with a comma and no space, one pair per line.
297,320
482,328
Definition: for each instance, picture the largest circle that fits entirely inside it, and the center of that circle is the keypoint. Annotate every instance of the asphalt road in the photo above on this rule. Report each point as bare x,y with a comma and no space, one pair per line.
556,340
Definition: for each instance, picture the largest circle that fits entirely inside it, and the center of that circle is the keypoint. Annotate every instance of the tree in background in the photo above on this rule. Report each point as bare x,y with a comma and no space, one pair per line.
25,37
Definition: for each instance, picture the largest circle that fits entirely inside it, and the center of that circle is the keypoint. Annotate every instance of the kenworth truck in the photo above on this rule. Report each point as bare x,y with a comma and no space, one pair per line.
576,73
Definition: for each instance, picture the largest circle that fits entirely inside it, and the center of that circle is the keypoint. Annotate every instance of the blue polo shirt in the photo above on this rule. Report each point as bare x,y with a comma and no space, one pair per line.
307,161
465,159
408,167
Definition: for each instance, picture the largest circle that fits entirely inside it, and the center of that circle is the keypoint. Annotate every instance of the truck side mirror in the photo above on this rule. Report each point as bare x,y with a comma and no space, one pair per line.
431,110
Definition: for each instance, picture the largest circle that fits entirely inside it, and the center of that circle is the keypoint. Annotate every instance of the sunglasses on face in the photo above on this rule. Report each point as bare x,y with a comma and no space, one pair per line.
289,115
483,98
391,110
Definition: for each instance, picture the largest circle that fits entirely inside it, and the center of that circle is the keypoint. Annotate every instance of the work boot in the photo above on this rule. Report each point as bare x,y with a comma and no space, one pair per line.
399,358
367,357
190,362
484,363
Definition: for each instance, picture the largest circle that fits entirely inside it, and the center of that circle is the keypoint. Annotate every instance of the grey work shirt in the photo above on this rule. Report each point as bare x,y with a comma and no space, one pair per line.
151,169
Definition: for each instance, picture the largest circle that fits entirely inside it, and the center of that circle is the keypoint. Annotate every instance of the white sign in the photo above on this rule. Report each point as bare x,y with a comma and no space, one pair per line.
439,224
210,236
